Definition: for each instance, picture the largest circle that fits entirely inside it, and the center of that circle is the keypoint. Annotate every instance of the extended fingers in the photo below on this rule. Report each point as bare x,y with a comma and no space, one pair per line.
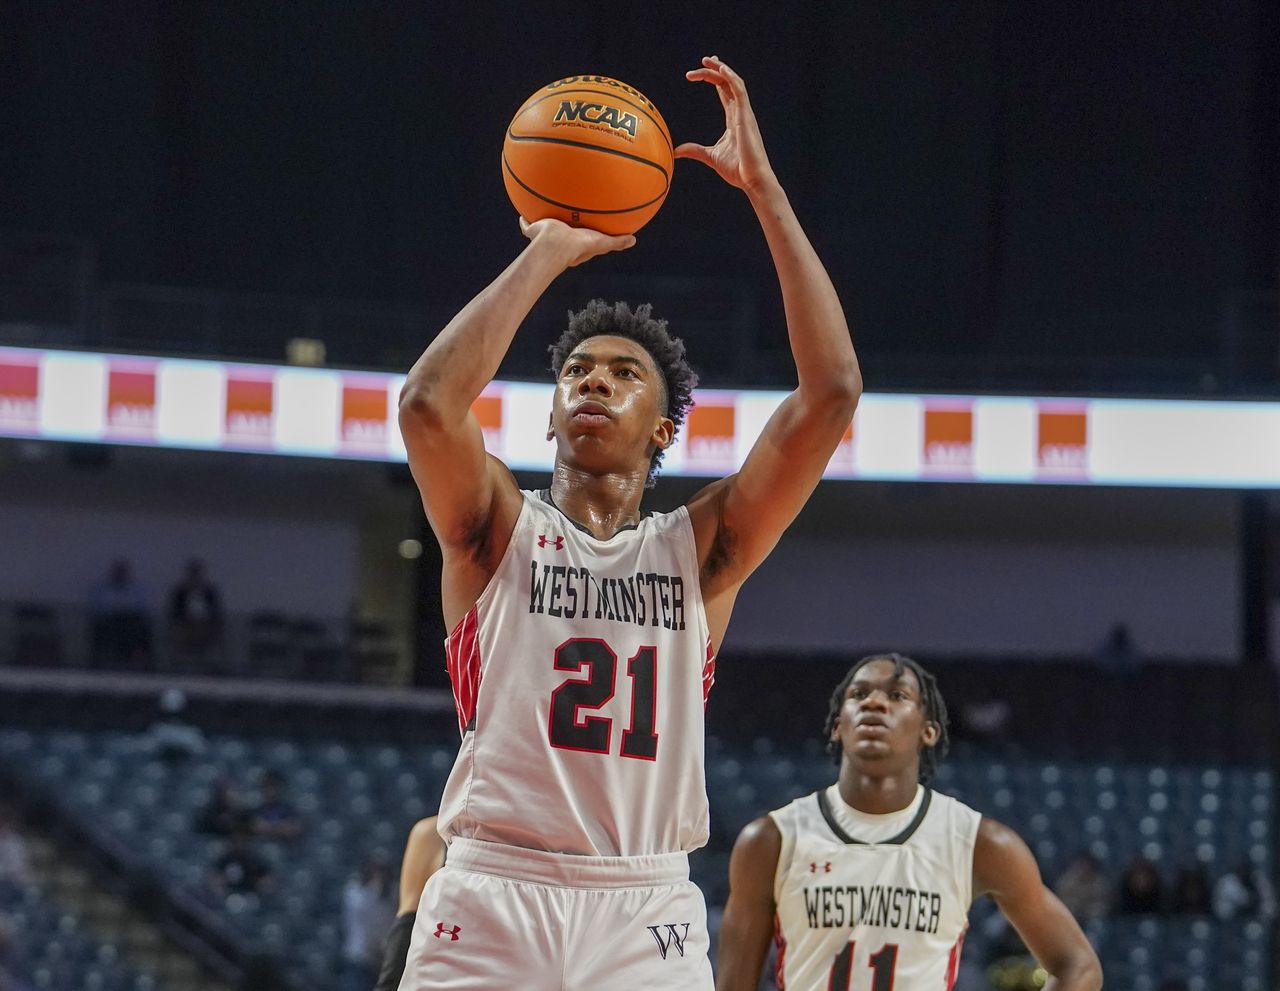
734,81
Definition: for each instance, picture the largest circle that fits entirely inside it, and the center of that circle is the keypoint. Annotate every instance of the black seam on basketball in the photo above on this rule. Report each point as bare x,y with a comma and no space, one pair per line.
660,125
569,142
566,206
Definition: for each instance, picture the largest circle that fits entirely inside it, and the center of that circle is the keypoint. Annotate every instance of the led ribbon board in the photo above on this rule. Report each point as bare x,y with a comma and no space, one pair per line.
330,413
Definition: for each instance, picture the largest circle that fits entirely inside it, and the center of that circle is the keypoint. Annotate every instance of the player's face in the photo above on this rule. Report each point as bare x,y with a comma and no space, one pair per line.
607,411
882,724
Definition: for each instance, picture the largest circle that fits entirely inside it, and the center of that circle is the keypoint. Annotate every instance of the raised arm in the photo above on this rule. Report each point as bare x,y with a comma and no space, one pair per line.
739,519
747,925
1005,869
471,499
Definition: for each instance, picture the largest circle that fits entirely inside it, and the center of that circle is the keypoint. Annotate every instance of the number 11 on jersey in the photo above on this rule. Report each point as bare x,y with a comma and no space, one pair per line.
882,964
568,729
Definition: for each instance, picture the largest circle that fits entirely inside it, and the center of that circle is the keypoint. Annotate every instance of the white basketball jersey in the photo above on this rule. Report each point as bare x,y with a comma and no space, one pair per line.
580,678
883,916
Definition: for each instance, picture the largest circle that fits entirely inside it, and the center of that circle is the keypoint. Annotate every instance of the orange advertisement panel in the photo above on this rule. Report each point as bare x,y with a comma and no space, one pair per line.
131,399
488,412
948,437
365,413
709,435
19,393
1062,445
250,407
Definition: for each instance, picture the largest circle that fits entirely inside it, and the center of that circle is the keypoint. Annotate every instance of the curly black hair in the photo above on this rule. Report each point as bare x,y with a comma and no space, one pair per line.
935,709
639,325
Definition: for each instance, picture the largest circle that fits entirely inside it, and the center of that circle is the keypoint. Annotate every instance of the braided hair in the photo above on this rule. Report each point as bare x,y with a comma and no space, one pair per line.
935,709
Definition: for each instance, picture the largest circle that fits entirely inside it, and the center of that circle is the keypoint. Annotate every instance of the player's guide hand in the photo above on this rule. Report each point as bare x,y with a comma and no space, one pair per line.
738,157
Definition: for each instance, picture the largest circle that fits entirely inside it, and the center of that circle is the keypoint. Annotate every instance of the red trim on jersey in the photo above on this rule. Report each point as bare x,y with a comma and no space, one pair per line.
462,658
953,962
708,673
780,942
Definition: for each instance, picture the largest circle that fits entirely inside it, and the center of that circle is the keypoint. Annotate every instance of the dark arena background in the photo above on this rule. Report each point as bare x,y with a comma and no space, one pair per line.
228,229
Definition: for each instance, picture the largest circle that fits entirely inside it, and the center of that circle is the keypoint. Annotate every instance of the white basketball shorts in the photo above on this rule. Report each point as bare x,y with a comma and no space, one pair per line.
497,917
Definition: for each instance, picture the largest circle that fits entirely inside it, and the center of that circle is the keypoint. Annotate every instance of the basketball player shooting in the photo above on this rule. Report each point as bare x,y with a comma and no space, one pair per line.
866,885
583,631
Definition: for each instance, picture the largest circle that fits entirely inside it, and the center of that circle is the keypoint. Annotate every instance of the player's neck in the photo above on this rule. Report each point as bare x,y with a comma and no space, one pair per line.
878,795
603,504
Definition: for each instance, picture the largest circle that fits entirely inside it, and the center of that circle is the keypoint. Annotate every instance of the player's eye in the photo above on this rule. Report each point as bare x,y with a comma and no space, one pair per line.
574,370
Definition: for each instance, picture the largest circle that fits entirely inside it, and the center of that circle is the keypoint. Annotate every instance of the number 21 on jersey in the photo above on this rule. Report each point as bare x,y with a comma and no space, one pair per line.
596,663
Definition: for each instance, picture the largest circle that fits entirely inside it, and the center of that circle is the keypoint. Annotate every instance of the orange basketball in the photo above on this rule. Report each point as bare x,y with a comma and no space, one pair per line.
591,151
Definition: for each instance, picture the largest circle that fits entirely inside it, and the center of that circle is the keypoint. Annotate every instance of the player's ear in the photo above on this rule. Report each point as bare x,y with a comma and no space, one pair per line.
550,430
664,433
930,735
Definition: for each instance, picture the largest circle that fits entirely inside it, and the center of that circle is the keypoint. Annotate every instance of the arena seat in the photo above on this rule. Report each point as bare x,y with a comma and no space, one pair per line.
359,799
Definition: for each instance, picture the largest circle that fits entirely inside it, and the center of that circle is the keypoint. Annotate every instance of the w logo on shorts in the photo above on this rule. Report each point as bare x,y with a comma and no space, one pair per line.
673,937
451,933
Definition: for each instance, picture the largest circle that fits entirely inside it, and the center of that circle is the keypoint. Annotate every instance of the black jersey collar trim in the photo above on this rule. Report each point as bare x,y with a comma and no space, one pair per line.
545,496
824,805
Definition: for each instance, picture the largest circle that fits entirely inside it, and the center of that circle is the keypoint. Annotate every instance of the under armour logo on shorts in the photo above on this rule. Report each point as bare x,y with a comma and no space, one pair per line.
451,933
673,938
556,542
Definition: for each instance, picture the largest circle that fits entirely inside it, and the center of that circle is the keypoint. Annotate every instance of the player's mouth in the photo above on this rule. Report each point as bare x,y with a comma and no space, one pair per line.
591,412
871,722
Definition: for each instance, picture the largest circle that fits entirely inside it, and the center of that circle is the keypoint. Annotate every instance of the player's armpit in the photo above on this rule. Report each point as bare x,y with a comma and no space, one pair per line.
747,925
1004,868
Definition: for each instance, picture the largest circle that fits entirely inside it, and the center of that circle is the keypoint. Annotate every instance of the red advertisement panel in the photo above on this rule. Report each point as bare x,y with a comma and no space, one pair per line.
19,394
131,399
250,407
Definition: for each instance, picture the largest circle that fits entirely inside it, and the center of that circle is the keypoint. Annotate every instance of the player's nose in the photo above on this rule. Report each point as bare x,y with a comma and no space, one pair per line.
595,382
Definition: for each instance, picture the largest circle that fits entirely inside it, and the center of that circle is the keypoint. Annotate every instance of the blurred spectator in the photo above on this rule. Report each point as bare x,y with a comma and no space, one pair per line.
240,870
15,862
1083,888
1191,892
195,617
1141,890
985,719
7,981
120,629
274,818
1117,652
1235,894
224,813
368,908
172,737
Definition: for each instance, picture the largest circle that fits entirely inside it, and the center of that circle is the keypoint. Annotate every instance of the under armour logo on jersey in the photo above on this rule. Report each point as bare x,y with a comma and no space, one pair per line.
825,867
674,937
556,542
451,933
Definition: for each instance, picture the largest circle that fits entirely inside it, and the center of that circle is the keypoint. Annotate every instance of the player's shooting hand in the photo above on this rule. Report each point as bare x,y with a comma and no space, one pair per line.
578,244
738,157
